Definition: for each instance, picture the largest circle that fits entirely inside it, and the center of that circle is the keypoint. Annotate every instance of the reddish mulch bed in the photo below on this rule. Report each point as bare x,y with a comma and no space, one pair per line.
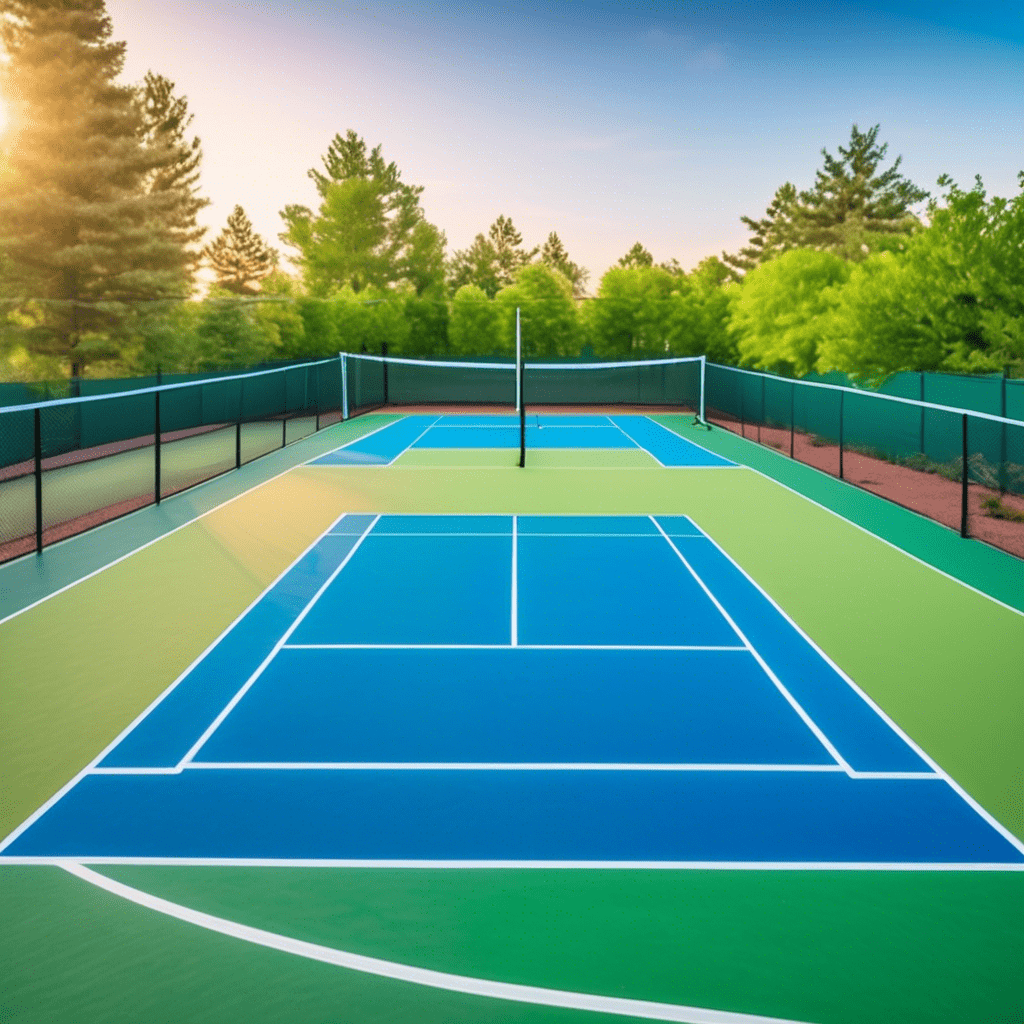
928,493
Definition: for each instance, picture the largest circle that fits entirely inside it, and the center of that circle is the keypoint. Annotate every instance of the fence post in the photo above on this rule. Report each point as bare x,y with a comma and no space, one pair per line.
156,447
792,416
963,490
921,375
39,481
316,394
384,352
743,407
1002,429
344,386
762,411
842,395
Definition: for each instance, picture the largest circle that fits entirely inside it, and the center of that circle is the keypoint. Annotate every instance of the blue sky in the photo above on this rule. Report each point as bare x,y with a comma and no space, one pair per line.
609,123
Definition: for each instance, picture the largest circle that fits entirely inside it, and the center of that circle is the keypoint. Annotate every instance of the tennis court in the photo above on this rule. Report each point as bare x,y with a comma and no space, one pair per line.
393,729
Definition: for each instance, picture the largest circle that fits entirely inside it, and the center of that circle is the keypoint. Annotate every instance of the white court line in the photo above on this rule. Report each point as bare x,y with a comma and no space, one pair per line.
412,442
215,724
499,766
515,582
361,437
569,865
508,647
91,766
638,444
808,721
1001,829
686,440
529,994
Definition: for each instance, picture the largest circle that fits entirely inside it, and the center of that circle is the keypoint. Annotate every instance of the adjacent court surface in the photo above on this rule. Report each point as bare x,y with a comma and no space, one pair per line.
473,743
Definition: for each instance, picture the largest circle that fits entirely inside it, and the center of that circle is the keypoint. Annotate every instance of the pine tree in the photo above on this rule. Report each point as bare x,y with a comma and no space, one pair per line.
239,257
165,121
491,261
851,204
776,232
81,230
638,256
553,254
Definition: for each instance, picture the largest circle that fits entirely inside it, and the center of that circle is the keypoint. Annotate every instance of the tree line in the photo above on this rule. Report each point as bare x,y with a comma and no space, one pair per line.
101,255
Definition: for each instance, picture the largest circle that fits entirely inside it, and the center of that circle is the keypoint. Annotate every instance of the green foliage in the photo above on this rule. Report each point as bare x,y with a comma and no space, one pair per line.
635,314
997,510
637,258
549,321
474,325
366,320
368,232
239,257
553,254
777,313
428,318
94,211
491,262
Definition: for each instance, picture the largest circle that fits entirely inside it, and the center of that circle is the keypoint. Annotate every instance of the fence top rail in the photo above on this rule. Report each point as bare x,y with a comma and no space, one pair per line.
875,394
457,364
53,402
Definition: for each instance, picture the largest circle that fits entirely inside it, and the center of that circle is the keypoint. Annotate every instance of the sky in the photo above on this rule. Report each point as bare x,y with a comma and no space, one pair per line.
608,122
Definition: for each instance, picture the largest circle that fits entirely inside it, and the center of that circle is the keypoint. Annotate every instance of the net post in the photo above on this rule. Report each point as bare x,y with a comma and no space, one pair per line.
344,386
156,446
519,354
521,367
842,395
963,483
38,455
792,416
703,390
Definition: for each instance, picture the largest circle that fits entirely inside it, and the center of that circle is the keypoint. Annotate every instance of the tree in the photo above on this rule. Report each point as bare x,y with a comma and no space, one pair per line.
778,313
631,316
474,325
776,232
851,203
239,257
165,121
81,229
638,256
367,231
490,262
553,254
550,324
953,300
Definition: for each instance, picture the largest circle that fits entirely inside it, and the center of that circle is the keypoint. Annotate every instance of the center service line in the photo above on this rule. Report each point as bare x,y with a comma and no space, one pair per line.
515,581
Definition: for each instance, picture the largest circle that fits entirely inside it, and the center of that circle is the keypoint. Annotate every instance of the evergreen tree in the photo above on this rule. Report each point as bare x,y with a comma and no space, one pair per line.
239,257
490,262
638,256
165,121
852,204
553,254
81,229
775,233
367,231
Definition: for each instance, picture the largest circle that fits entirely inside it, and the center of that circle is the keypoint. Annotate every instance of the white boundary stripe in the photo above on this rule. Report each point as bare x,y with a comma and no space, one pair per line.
808,721
418,975
507,647
864,529
638,444
731,464
181,526
937,768
515,581
568,865
413,441
355,440
502,766
215,724
32,818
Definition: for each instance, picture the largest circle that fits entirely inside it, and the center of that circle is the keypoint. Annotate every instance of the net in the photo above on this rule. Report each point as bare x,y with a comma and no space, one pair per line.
69,464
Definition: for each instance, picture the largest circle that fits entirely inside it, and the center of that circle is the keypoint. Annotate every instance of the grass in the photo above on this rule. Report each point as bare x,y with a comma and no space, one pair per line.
997,510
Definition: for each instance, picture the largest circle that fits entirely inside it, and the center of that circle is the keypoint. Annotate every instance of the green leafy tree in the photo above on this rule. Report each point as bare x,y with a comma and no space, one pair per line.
713,287
553,254
779,312
367,320
367,231
474,329
953,301
239,257
637,257
492,261
776,232
82,229
631,317
549,320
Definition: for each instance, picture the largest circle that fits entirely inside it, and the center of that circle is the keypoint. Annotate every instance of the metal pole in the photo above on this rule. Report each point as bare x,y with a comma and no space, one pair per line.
519,355
963,491
39,482
316,395
743,409
922,413
762,411
792,416
1002,428
703,381
384,352
841,396
344,386
238,425
156,447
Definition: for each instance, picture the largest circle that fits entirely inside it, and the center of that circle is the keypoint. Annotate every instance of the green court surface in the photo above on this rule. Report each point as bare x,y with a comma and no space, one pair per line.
940,658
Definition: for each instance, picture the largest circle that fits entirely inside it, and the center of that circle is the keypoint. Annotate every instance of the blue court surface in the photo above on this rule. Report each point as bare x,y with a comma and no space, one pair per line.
383,446
492,689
